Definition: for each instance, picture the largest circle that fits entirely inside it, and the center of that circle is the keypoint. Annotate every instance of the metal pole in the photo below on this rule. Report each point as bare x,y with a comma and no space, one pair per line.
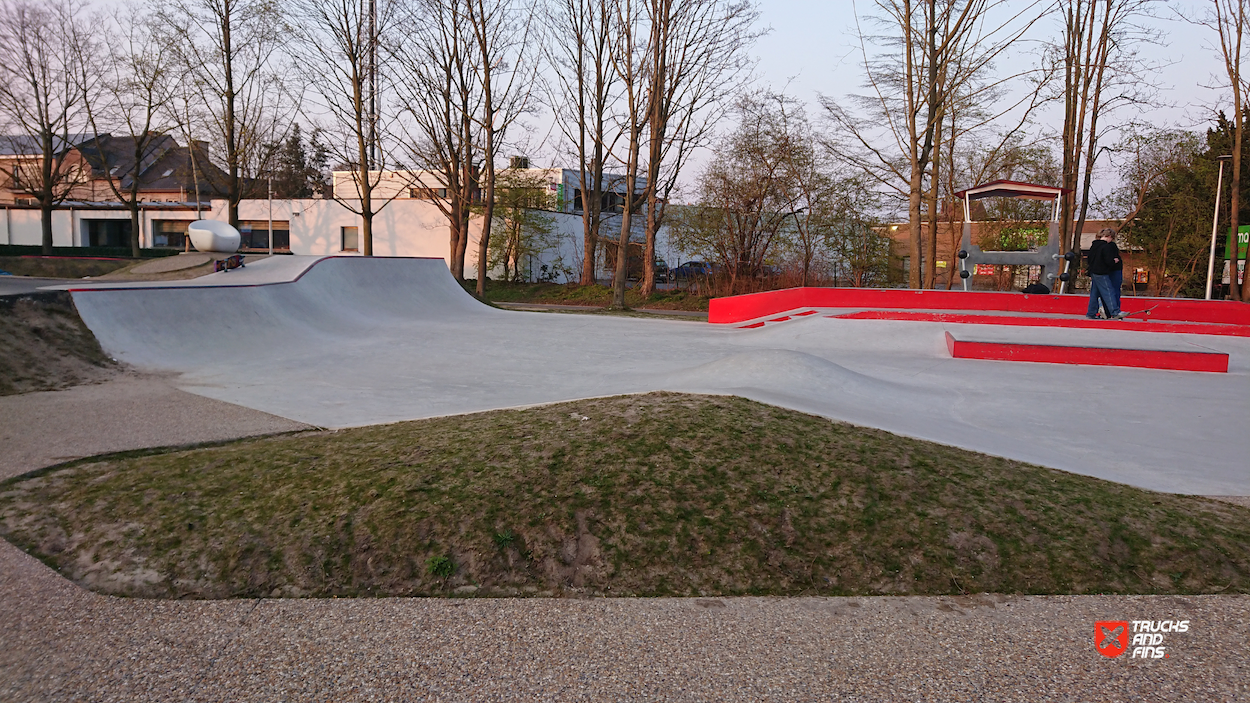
1215,221
271,214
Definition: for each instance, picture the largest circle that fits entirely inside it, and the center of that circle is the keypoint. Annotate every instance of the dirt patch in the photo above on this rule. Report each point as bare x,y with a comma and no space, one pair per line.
594,295
60,267
44,345
658,494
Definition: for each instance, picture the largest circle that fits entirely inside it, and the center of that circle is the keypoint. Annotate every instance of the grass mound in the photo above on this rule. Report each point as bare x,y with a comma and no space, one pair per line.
44,345
640,495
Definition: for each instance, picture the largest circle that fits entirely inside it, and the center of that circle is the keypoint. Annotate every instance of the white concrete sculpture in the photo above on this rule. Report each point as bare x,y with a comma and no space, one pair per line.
214,236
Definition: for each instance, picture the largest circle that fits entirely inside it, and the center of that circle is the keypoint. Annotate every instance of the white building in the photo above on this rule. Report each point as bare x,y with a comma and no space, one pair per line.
408,224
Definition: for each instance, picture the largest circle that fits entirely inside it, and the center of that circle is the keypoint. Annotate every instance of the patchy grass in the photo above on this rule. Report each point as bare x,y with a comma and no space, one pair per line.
59,266
45,346
573,294
658,494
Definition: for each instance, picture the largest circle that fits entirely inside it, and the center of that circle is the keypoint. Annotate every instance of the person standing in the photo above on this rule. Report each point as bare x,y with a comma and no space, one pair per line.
1106,276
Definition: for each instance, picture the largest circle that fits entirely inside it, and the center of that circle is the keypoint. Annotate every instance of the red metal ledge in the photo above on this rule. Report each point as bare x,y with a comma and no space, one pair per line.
1214,362
1131,324
753,306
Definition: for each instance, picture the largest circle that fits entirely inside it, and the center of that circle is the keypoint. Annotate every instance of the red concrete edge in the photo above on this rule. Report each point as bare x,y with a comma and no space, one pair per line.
1130,324
1214,362
740,308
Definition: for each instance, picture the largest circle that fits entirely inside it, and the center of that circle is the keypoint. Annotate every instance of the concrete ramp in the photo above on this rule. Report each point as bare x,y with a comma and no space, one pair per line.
180,327
341,342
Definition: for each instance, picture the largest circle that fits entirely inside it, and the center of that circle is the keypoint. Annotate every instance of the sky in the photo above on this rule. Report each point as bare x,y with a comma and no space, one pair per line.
813,50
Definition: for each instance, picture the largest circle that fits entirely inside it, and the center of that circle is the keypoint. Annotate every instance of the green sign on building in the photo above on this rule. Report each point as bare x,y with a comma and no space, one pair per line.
1243,242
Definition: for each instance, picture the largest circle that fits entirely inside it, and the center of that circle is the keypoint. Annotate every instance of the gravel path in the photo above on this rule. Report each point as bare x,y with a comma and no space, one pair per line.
59,642
62,643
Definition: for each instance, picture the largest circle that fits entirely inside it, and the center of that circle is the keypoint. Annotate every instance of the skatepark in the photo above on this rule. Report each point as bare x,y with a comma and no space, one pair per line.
337,342
342,342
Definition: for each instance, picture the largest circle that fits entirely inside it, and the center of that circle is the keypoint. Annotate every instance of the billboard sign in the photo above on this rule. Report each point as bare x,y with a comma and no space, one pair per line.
1243,243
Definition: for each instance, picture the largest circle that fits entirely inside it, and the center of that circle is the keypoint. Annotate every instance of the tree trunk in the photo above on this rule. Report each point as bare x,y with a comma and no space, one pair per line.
453,227
488,214
134,228
1234,289
589,238
913,216
45,219
622,244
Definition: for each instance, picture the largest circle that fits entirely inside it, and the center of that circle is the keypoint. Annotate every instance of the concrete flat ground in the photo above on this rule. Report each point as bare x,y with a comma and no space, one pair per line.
348,341
125,413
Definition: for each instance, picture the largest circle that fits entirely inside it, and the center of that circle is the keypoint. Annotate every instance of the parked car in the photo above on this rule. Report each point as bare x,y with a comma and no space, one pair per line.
661,269
690,269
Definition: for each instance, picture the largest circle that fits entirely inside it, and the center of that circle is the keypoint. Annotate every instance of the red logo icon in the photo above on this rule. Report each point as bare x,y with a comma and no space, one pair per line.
1111,637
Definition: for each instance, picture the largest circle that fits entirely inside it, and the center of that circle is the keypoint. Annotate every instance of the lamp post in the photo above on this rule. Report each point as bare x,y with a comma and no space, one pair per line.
798,226
1215,220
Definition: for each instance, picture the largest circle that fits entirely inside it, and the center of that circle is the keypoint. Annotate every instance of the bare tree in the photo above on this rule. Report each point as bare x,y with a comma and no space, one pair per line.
581,93
746,195
698,57
631,49
1103,70
439,96
229,50
815,206
337,45
506,75
132,102
45,78
930,49
1227,18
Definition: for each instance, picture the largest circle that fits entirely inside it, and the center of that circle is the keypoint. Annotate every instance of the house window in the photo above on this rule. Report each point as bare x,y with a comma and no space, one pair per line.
107,233
255,234
351,239
169,233
427,193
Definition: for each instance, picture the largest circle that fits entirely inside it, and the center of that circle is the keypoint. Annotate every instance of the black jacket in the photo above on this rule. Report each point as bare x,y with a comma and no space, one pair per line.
1104,257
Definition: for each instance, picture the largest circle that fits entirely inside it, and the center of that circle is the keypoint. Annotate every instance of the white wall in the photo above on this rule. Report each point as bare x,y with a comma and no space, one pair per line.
403,228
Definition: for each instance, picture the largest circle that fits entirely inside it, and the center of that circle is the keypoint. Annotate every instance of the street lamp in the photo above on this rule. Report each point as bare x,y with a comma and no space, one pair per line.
797,226
1215,220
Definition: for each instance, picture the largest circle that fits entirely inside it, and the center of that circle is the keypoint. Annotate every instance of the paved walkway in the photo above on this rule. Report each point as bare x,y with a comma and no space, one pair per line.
128,412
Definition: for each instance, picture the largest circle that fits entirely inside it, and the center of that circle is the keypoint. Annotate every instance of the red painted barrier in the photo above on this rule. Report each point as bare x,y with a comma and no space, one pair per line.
1131,324
1214,362
740,308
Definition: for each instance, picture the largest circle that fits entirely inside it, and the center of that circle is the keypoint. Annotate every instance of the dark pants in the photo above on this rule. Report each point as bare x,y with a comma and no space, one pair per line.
1117,286
1101,288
